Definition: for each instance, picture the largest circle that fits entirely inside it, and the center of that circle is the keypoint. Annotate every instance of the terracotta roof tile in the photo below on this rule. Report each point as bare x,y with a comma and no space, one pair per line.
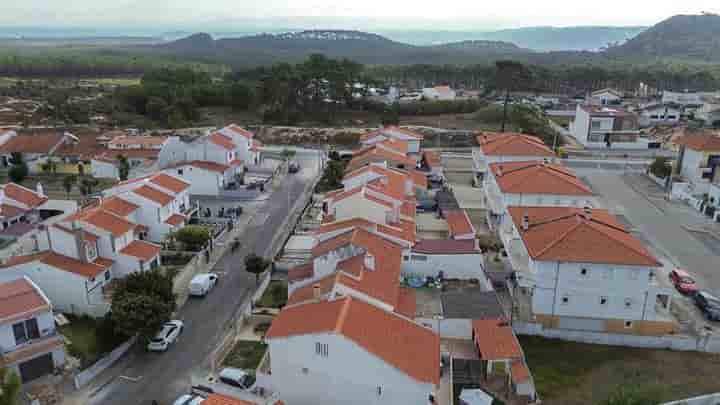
11,211
86,235
221,141
377,153
401,343
40,143
306,293
23,195
205,165
706,141
175,219
459,223
302,272
495,340
64,263
141,250
219,399
154,195
145,142
537,178
407,303
234,128
44,345
102,219
19,298
169,182
118,206
569,235
512,144
519,372
446,247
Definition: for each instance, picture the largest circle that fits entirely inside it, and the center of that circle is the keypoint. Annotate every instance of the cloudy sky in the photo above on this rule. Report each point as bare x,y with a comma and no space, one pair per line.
447,14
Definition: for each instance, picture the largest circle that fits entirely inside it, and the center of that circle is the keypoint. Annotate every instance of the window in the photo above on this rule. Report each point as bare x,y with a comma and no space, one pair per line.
304,370
628,324
379,391
321,349
595,125
406,258
628,303
603,300
419,258
584,272
107,275
565,300
25,331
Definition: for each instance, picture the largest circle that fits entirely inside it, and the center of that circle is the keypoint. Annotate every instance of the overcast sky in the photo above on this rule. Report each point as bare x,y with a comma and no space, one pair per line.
446,14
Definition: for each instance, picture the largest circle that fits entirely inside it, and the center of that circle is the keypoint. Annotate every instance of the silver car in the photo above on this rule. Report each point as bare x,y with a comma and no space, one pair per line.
167,336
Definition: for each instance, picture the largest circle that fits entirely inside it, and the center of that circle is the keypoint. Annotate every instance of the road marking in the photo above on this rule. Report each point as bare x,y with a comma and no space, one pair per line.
131,379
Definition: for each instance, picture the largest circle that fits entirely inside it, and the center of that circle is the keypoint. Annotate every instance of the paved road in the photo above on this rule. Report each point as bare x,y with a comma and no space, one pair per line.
163,377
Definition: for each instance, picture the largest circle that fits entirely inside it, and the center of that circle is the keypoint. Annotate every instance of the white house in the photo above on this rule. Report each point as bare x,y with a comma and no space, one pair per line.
709,113
686,98
230,146
34,148
19,205
128,142
582,270
604,126
439,93
453,259
605,97
369,201
205,178
396,182
29,343
494,147
413,139
654,114
247,148
532,184
394,360
698,158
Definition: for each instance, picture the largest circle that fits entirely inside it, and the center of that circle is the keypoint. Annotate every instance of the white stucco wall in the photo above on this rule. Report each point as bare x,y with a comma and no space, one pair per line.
104,170
691,162
449,328
459,266
46,326
202,182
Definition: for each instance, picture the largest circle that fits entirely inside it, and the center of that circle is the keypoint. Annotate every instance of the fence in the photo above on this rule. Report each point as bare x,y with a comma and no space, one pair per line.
87,375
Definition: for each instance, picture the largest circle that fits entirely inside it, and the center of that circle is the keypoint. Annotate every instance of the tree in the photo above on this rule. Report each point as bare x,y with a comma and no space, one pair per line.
18,172
510,76
50,166
123,167
87,185
157,109
142,302
193,237
68,183
660,167
9,387
256,265
241,96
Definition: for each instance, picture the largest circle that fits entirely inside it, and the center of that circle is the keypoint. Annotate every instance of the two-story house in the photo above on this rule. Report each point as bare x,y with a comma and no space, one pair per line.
606,127
413,139
215,148
392,153
247,148
582,270
29,343
665,114
532,183
605,96
496,147
205,178
698,158
34,148
19,205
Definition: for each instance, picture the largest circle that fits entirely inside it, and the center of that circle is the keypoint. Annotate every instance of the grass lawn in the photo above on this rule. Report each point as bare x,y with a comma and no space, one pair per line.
575,373
275,295
84,341
245,355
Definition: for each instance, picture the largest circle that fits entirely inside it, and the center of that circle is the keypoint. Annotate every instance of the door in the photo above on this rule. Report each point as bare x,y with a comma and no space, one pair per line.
36,367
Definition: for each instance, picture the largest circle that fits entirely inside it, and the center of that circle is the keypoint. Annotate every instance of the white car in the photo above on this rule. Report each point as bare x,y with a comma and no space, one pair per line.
201,284
167,336
189,399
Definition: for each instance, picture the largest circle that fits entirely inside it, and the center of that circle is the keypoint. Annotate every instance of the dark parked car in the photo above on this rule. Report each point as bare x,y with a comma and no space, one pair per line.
708,304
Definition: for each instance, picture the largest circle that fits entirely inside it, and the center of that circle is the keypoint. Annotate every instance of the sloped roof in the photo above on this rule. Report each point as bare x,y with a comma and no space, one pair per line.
404,230
219,399
221,140
23,195
238,130
20,298
401,343
512,144
446,247
568,234
495,340
141,250
103,219
154,195
39,143
118,206
169,182
175,219
459,223
146,142
706,141
203,164
537,178
64,263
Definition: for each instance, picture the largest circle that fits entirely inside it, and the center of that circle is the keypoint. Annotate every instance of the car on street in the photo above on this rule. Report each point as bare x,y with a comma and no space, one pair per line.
167,335
708,304
201,284
683,282
236,377
189,399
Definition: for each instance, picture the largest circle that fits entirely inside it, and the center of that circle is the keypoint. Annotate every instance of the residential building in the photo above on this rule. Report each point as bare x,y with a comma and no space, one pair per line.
495,147
532,184
605,97
396,182
413,139
371,202
205,178
709,113
29,343
698,158
34,148
582,270
687,99
439,93
606,127
383,152
20,205
448,259
231,146
127,142
655,114
247,148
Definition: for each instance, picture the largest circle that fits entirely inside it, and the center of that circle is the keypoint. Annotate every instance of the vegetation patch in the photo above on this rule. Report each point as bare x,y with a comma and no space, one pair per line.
90,339
275,296
246,355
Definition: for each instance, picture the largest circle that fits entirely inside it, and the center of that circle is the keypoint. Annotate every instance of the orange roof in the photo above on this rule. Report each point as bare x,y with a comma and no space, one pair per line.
432,158
408,209
419,178
307,292
396,144
221,141
707,141
378,153
175,219
145,142
519,372
407,304
401,343
169,182
219,399
118,206
141,249
404,230
512,144
11,211
39,144
537,178
404,131
154,195
239,130
19,298
568,234
102,219
301,272
88,270
459,223
23,195
495,340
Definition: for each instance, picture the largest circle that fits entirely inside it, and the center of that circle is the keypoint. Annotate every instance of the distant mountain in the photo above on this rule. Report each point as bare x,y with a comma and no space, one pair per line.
694,37
586,38
360,46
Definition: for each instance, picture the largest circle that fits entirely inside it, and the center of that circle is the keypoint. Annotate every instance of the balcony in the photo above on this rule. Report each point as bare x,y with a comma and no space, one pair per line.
31,348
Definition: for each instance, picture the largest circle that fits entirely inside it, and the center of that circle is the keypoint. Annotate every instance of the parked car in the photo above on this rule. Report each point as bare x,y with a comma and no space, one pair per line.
236,377
708,304
293,167
167,336
683,282
189,399
201,284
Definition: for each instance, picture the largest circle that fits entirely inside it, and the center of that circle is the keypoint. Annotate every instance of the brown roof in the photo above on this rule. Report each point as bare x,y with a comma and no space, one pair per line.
146,142
239,130
221,141
169,182
141,249
401,343
118,206
703,142
11,211
19,298
459,223
446,247
154,195
537,178
175,219
23,195
495,340
102,219
512,144
40,143
407,303
301,272
65,263
568,234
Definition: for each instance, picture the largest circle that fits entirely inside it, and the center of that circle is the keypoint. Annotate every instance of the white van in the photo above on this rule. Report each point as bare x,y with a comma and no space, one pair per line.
201,284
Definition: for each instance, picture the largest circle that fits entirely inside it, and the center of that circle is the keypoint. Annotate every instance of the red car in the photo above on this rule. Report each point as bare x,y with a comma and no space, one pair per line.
683,282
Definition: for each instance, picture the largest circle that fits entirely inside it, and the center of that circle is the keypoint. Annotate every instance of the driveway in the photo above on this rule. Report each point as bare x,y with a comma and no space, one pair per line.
165,376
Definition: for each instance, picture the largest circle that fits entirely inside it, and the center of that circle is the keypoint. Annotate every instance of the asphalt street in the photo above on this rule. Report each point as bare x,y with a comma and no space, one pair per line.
165,376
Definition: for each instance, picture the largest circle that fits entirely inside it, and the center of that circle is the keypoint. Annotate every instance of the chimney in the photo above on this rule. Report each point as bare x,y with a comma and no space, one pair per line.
316,292
39,189
79,235
525,222
587,212
369,261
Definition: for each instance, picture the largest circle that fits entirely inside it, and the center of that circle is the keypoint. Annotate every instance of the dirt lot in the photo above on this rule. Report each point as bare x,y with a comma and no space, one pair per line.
569,373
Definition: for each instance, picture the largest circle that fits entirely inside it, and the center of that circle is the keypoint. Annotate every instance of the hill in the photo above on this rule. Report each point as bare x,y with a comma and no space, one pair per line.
583,38
688,37
362,47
